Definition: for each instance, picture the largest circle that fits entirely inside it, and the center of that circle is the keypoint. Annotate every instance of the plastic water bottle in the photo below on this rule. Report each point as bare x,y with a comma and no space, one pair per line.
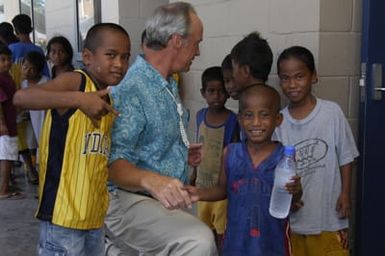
280,200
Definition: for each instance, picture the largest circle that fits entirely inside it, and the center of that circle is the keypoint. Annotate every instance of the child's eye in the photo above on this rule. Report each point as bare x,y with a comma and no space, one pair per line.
247,115
126,57
111,55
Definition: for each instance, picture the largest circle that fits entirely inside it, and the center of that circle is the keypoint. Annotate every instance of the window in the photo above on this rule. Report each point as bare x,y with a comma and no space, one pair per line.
88,14
36,10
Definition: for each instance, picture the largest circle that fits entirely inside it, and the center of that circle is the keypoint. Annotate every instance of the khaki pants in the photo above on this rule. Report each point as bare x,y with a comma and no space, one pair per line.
140,223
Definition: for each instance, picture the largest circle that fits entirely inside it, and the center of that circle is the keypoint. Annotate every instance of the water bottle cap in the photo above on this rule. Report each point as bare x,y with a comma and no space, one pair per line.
290,150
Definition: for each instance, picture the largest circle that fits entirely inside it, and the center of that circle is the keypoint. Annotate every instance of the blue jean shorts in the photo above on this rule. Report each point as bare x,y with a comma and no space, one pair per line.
59,241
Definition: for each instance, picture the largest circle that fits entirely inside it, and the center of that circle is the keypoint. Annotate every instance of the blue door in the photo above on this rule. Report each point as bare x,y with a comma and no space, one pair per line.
370,224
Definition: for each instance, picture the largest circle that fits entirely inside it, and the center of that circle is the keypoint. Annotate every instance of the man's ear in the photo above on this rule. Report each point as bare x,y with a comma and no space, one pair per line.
176,40
87,57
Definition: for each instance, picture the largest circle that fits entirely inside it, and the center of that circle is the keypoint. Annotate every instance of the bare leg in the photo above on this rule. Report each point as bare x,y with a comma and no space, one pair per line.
5,167
31,171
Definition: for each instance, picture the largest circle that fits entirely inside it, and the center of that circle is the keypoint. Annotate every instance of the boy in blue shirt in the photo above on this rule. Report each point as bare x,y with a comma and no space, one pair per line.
246,179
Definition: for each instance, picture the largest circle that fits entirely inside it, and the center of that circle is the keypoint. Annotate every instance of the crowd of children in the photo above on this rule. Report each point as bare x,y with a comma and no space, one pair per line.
325,151
29,68
233,182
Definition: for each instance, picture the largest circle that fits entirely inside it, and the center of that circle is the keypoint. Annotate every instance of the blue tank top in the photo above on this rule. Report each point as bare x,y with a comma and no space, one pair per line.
251,230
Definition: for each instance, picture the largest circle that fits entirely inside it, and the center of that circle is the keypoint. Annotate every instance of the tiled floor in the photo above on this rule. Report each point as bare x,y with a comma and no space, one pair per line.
19,229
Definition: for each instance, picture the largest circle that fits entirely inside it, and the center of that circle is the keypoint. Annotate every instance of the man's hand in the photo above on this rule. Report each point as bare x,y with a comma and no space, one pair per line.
95,107
195,154
170,192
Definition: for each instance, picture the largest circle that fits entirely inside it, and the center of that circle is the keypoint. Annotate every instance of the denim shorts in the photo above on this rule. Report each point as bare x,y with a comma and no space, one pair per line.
59,241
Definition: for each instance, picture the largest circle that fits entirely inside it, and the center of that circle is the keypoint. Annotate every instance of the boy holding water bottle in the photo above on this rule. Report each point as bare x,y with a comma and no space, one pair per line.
246,179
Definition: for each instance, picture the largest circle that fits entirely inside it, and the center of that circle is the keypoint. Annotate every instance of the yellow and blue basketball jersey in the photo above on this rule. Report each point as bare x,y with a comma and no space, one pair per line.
73,167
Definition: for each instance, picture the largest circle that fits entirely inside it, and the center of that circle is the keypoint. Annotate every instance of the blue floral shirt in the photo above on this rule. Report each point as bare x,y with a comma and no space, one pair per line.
147,131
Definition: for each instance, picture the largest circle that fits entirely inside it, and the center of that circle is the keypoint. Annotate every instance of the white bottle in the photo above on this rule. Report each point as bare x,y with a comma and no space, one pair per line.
280,200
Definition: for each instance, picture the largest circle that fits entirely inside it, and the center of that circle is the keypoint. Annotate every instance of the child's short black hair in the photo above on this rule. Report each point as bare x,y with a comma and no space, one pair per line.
36,59
226,63
266,91
212,74
256,53
22,24
5,50
6,33
66,46
94,39
297,52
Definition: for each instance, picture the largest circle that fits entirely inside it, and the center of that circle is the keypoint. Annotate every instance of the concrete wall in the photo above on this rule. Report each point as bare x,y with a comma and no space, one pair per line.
330,29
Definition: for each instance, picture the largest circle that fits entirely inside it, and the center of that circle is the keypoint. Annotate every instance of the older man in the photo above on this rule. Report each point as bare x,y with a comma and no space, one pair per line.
149,144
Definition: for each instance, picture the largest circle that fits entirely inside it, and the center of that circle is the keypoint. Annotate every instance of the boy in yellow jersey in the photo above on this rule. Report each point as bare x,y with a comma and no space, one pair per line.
75,143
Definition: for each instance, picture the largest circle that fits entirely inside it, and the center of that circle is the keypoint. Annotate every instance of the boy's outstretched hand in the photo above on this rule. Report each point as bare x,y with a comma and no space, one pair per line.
193,193
95,106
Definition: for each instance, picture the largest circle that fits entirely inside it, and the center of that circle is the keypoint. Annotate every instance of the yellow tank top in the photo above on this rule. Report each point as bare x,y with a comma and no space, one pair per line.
73,167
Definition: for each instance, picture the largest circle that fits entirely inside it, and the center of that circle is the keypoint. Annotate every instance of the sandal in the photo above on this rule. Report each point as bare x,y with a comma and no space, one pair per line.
12,196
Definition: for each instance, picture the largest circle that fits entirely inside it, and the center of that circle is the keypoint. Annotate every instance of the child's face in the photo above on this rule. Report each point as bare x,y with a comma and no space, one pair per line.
259,118
57,55
215,94
5,63
109,62
296,80
28,71
229,83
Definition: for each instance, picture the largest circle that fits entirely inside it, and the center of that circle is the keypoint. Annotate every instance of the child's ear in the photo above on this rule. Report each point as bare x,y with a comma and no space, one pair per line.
202,92
239,117
245,70
279,119
87,57
314,78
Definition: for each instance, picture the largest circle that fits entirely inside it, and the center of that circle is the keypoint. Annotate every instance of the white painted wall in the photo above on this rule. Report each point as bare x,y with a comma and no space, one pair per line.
330,29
